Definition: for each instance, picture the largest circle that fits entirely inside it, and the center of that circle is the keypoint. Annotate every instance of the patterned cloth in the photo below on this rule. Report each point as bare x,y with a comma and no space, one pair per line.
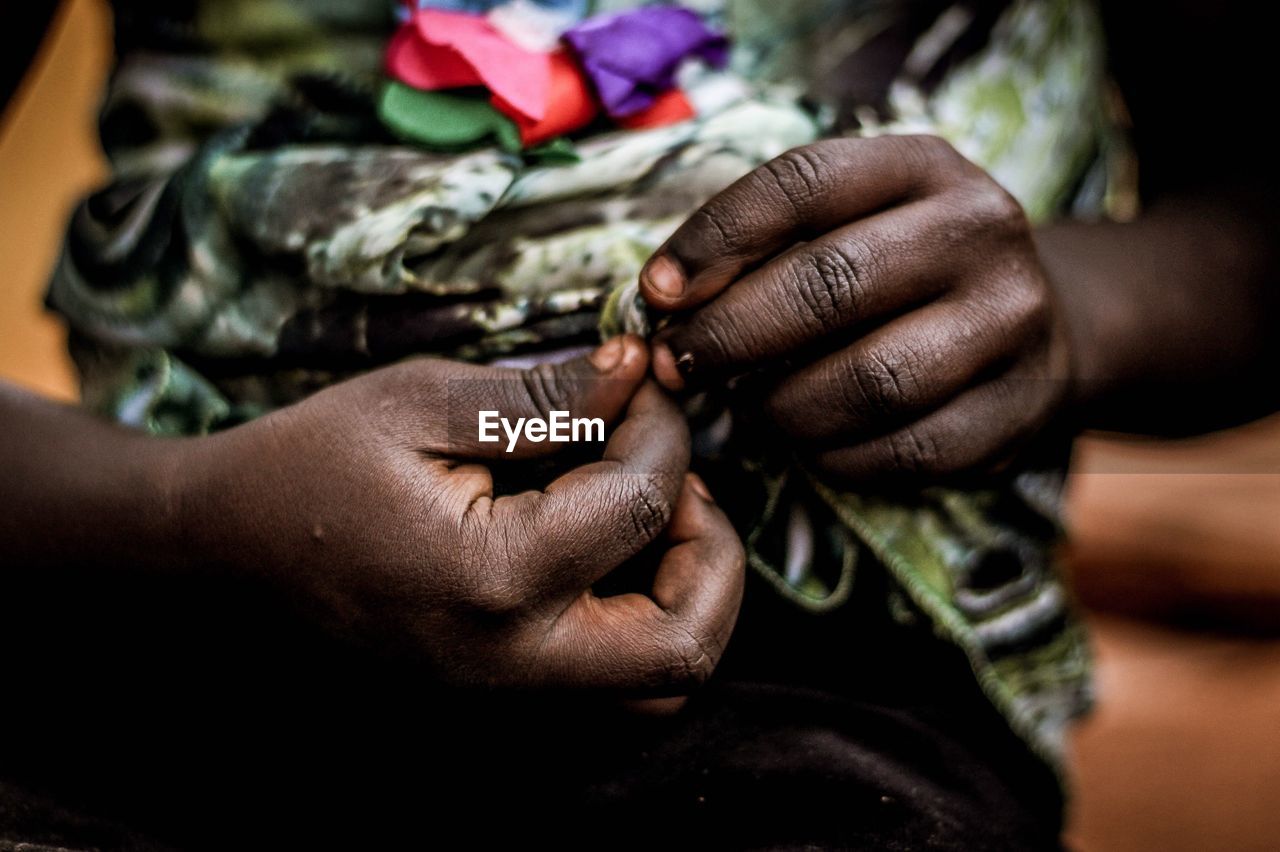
263,237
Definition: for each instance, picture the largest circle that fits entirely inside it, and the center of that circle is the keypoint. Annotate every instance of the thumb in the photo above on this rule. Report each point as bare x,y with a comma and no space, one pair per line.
508,414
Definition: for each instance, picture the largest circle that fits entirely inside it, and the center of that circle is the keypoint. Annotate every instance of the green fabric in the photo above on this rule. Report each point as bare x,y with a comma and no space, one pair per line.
558,152
264,236
444,120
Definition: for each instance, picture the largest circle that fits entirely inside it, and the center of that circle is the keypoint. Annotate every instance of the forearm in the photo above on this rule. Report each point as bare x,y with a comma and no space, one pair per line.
1173,317
79,491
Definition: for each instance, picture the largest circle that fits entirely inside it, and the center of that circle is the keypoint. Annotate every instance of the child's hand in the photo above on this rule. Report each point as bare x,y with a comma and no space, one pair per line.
898,286
371,505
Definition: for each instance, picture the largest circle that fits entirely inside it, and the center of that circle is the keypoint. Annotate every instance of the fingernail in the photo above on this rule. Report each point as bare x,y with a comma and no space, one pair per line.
664,277
666,369
608,356
700,488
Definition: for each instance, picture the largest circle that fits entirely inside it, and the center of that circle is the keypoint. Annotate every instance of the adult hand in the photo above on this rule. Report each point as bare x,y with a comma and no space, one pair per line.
373,511
899,285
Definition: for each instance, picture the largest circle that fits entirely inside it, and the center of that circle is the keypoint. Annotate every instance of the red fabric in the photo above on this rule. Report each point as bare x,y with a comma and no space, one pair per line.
420,66
448,50
570,105
670,107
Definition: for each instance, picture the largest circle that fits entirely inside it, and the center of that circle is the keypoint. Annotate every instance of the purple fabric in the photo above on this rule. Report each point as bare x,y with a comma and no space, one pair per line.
632,57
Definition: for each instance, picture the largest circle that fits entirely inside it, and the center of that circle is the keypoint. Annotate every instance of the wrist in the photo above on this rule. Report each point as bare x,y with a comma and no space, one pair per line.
81,492
212,524
139,494
1089,323
230,522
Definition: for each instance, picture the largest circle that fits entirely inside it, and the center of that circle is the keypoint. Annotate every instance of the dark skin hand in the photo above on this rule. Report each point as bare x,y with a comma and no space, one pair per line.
900,285
374,516
922,329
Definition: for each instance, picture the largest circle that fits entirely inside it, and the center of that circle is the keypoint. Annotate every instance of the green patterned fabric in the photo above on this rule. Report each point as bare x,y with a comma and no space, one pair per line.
264,235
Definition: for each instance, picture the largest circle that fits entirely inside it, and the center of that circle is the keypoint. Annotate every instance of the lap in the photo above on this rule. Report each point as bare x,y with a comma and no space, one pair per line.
214,724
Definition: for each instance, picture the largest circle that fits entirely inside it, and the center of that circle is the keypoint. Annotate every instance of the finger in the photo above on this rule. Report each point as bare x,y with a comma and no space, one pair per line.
594,518
906,368
491,409
668,643
700,579
805,192
855,274
965,435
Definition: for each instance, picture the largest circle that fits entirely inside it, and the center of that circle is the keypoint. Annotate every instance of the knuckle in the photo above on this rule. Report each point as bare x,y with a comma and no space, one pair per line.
828,281
649,508
714,335
880,383
713,229
1024,307
917,451
930,153
418,382
547,388
991,209
800,176
996,205
1013,302
693,659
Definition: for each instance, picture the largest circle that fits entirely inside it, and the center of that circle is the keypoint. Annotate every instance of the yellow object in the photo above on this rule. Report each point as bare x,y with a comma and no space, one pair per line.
49,158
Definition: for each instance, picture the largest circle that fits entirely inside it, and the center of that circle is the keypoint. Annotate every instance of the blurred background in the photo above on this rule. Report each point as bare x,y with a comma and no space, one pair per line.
1175,553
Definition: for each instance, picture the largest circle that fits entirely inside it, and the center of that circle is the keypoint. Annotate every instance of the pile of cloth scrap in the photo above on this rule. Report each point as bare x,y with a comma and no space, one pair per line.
525,74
